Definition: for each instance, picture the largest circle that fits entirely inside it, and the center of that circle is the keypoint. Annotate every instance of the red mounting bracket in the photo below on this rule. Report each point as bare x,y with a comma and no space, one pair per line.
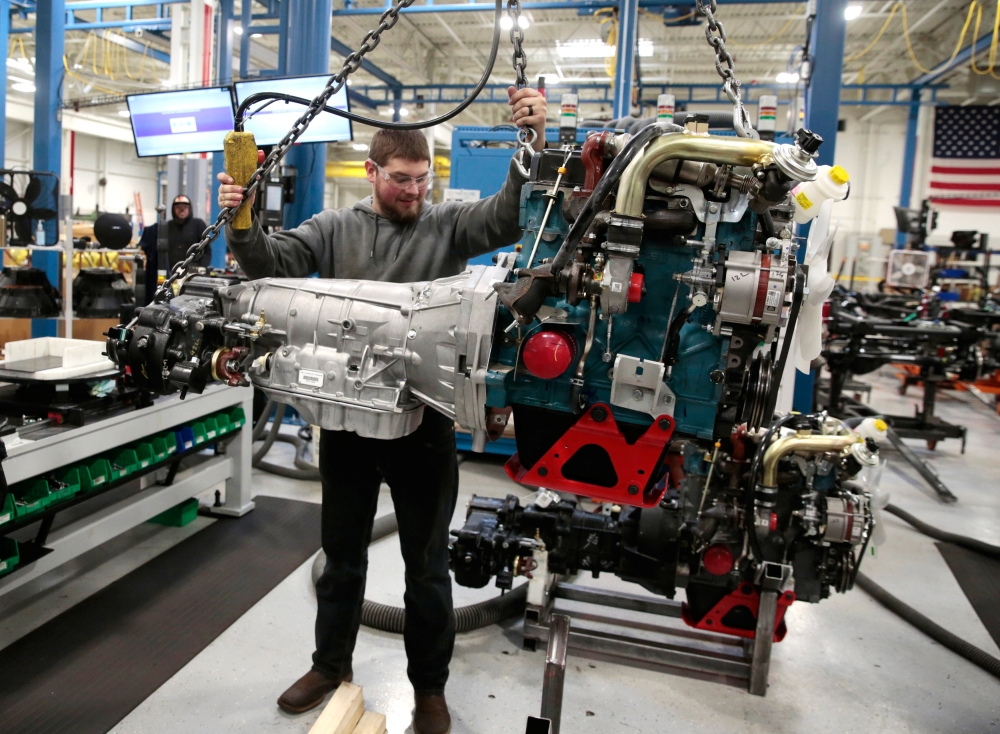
634,464
745,596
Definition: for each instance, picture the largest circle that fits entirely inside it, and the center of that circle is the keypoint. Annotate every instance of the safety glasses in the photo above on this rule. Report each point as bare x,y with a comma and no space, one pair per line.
401,181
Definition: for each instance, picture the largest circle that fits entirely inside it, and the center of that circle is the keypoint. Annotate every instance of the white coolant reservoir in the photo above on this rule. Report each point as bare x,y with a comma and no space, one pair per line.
832,182
874,428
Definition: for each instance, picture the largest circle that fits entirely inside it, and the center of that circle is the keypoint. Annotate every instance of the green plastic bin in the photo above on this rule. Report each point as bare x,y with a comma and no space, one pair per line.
161,452
94,474
123,463
200,434
211,428
64,485
30,497
144,454
10,556
7,512
222,422
237,418
179,515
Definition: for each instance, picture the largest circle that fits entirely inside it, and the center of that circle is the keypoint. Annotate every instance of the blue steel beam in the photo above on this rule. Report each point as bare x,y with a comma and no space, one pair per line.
224,75
964,55
602,93
909,158
139,48
50,35
829,31
628,22
378,72
484,7
4,30
309,24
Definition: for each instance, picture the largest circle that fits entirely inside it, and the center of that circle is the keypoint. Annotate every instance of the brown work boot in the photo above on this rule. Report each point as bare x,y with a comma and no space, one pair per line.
309,691
431,715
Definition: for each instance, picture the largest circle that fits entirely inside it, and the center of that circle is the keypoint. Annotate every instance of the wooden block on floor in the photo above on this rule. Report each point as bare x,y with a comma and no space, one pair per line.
371,723
343,712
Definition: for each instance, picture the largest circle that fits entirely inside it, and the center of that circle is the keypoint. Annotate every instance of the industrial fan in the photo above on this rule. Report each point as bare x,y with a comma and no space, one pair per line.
25,198
908,269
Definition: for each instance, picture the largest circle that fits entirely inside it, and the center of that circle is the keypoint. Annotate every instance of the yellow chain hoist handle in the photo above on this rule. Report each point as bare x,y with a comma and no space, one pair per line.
241,162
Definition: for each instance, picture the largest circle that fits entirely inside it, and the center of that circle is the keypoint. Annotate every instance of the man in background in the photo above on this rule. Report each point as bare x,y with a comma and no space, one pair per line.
183,230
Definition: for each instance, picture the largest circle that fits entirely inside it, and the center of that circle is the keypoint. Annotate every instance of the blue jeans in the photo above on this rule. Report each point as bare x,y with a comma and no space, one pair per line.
422,473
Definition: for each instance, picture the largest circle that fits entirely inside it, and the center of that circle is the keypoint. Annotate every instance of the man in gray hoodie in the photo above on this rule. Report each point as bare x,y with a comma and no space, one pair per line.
393,235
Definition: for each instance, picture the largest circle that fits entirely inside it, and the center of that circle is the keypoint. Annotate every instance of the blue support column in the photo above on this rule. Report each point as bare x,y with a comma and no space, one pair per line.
822,114
628,21
309,53
909,154
49,42
4,32
224,75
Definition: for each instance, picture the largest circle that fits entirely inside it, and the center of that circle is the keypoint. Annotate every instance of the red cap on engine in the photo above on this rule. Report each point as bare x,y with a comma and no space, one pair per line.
548,354
635,288
718,560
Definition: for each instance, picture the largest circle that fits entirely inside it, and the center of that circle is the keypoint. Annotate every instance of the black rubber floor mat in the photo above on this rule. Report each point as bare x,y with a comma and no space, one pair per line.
979,577
85,670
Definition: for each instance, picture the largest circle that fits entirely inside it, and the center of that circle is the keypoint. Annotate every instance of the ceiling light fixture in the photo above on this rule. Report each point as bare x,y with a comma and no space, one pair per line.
23,87
256,35
403,112
787,77
238,30
852,11
123,113
594,48
360,146
506,23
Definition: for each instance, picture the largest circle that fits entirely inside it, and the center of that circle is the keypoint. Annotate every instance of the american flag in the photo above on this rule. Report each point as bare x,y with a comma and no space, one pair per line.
965,167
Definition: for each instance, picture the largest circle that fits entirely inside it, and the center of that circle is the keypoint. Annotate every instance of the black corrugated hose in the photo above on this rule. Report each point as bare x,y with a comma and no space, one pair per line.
303,469
930,628
387,618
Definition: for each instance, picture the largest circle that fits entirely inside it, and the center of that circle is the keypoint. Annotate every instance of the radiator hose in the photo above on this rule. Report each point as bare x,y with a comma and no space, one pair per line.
930,628
387,618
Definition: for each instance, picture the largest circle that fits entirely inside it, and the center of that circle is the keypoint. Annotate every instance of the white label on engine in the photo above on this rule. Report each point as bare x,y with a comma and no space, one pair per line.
616,286
311,378
773,298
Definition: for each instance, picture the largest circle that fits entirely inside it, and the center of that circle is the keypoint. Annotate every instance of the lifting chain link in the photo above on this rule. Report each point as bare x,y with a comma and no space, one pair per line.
525,135
715,34
351,64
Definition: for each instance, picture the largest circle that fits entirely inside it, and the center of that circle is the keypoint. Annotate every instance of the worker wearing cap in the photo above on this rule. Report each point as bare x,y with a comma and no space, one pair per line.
183,230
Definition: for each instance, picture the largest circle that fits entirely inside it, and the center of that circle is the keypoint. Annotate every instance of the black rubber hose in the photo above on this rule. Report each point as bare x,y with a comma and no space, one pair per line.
930,628
274,96
386,618
272,435
258,429
303,469
801,278
972,544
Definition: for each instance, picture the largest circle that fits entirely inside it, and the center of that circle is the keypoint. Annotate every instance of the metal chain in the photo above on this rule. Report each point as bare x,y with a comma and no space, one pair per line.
351,64
715,34
525,135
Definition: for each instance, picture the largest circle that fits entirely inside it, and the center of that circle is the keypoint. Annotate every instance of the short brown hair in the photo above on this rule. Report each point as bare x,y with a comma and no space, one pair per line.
410,145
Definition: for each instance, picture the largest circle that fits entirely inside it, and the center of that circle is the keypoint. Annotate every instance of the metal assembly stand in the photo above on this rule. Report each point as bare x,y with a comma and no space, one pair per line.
647,642
161,490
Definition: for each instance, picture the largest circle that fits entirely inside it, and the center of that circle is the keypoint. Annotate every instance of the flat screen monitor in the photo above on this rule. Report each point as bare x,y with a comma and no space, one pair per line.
186,121
271,124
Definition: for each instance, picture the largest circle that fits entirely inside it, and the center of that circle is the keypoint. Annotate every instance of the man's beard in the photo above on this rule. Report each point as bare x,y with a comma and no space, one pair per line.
395,214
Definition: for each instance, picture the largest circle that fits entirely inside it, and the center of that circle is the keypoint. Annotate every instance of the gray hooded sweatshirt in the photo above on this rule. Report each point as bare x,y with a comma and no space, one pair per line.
358,243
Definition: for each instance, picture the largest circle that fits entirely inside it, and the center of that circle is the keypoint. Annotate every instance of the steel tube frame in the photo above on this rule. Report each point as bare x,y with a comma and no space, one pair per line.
555,671
532,5
628,22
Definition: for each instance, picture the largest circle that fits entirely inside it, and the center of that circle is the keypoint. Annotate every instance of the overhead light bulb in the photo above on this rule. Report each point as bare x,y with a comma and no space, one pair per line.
506,23
256,35
787,77
403,112
23,87
852,11
360,146
238,30
123,113
522,22
387,111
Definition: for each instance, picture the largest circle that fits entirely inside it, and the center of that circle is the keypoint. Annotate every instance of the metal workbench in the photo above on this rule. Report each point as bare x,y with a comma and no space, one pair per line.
228,471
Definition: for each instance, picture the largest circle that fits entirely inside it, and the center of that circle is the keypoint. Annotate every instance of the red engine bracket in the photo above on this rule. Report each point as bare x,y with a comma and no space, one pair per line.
747,597
633,463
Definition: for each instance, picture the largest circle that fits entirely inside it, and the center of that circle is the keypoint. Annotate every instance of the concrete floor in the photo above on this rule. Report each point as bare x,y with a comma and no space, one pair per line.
847,664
